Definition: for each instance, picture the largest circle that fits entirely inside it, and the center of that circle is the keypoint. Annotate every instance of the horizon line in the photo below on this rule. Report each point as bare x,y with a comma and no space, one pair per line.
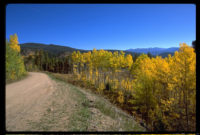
98,49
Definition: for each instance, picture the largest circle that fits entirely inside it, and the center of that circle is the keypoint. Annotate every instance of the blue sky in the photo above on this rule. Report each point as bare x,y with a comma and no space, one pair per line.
103,26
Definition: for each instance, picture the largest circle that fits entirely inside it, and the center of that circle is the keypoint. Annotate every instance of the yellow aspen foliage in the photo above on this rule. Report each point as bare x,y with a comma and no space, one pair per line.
126,84
107,79
93,81
123,83
96,73
101,86
184,72
115,83
120,97
90,74
162,90
14,42
122,60
135,69
14,61
74,68
129,85
83,77
78,76
129,61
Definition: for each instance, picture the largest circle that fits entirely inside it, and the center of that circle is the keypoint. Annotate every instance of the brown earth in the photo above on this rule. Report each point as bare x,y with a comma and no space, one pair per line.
39,103
25,100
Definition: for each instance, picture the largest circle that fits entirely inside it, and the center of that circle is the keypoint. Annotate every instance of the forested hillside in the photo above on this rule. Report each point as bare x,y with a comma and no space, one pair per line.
44,61
14,62
58,50
62,51
159,91
53,58
51,48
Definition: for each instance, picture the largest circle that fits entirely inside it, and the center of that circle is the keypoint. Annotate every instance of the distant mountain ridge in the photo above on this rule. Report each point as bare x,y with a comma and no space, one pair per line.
155,50
51,48
58,50
61,50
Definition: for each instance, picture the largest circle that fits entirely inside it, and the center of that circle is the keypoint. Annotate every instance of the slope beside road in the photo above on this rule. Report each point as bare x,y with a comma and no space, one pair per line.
41,103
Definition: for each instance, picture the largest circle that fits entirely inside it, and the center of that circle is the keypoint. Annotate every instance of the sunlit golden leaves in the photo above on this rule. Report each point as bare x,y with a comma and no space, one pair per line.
162,90
13,42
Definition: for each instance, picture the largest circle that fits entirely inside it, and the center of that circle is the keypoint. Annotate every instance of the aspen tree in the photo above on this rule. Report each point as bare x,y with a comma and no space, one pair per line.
14,42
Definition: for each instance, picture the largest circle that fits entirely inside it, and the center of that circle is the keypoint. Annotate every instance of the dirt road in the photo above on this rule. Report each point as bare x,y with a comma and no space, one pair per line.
40,103
25,100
